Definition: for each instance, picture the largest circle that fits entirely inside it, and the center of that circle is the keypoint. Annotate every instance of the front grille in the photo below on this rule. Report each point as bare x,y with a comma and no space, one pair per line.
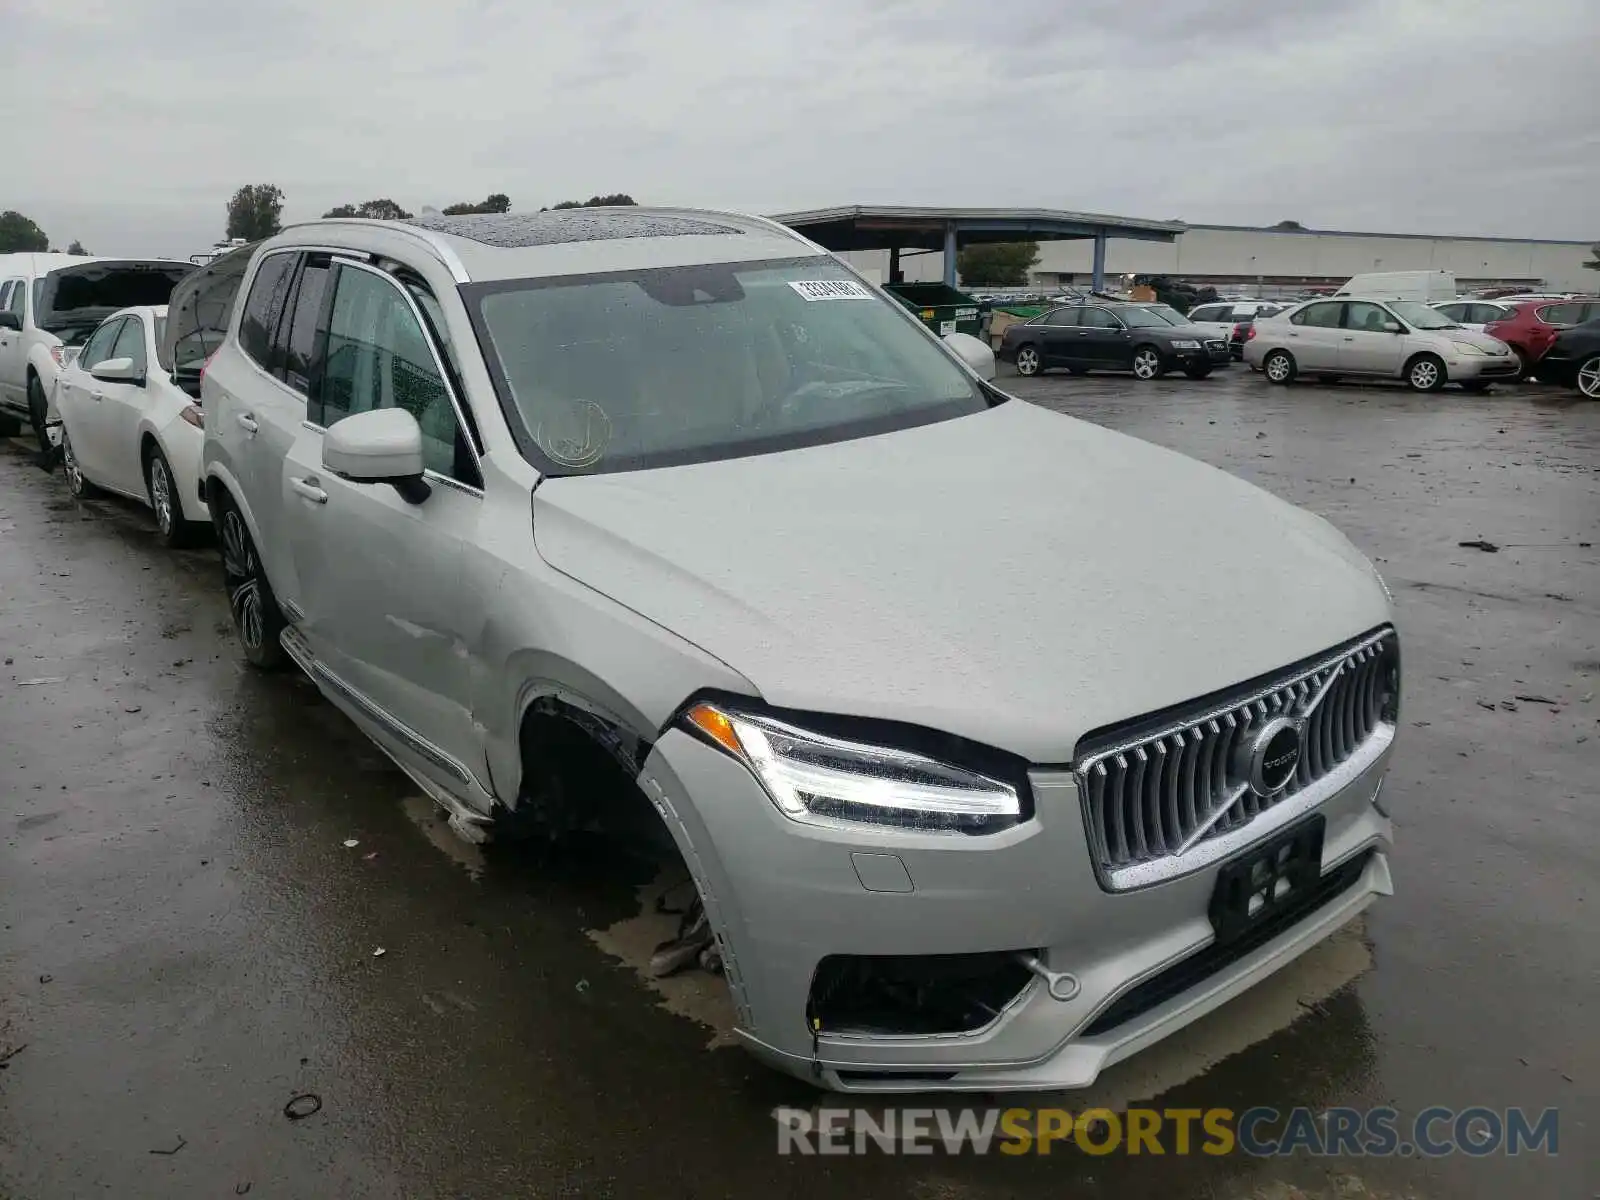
1156,794
1216,344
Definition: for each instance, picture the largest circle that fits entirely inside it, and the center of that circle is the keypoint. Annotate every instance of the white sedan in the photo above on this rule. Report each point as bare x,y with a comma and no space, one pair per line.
128,428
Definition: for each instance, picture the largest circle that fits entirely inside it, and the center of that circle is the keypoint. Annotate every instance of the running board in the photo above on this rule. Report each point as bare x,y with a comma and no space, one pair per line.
466,822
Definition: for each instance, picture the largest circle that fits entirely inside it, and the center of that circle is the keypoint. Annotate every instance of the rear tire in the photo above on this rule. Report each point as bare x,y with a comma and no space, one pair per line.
1279,367
1588,377
38,417
10,427
1426,373
166,502
256,615
1147,364
1029,361
1524,365
77,482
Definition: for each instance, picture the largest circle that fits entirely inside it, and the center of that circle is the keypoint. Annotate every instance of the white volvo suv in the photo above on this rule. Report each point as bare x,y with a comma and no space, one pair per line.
998,745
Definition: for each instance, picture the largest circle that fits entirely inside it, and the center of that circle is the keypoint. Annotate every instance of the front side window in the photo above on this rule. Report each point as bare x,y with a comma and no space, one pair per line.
130,343
378,357
18,299
1142,318
649,368
263,310
1368,318
301,340
98,348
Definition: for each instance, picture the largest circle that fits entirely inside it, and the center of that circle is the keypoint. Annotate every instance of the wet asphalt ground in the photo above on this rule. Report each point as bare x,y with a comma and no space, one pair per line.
186,942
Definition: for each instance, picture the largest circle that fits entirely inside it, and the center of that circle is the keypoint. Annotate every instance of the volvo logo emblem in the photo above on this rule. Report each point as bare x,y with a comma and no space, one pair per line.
1273,756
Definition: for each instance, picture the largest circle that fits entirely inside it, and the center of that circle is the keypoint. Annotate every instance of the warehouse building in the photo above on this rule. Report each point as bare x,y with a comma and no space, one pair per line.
1288,260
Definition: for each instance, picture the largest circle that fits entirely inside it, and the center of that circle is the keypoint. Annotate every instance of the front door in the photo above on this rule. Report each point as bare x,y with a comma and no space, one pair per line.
1105,341
120,407
1056,337
1374,341
91,427
1314,336
379,577
13,298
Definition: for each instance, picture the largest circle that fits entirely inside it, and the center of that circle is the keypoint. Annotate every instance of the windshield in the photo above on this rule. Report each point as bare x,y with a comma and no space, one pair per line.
1146,318
1168,314
654,368
1420,316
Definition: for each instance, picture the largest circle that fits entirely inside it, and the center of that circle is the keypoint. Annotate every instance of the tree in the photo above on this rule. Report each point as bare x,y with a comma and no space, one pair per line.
495,202
19,234
372,210
614,200
255,211
1288,225
76,248
1593,264
1005,264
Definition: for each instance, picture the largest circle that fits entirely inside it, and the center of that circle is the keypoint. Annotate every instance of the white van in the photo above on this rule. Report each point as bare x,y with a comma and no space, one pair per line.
1428,287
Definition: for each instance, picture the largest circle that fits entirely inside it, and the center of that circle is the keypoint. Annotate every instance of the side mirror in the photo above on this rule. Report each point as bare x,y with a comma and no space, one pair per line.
382,445
973,352
117,370
187,378
1395,327
10,320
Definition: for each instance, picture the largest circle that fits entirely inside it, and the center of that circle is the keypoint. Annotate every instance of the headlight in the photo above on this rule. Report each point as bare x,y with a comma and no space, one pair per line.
823,780
1469,348
1185,344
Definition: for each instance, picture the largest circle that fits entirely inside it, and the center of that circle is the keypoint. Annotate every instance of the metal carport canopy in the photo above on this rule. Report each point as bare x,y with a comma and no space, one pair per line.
893,228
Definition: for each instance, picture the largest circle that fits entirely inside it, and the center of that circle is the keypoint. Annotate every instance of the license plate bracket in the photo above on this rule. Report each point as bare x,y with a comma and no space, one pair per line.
1271,877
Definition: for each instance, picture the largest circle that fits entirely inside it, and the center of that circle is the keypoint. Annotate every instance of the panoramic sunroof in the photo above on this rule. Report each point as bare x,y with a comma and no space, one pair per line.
513,230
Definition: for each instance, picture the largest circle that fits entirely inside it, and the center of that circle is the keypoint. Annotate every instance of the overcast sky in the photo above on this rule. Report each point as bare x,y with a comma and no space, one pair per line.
130,122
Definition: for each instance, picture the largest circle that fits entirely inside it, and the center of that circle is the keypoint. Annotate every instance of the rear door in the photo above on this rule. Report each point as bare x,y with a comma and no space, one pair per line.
1371,345
1056,335
13,359
379,576
1314,336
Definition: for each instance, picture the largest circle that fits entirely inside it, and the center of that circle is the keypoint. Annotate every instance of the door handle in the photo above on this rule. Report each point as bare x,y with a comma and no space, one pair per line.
1350,338
308,488
97,395
247,422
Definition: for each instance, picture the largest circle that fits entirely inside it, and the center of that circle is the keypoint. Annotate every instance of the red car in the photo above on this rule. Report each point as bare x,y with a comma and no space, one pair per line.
1534,325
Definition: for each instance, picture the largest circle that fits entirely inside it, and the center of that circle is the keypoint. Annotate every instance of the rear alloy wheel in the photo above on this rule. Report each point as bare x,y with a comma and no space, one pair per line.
1147,363
256,615
77,483
164,500
1426,373
1028,361
1589,377
1279,367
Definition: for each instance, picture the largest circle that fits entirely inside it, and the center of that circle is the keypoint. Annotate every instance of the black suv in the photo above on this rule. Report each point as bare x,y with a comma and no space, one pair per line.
1147,339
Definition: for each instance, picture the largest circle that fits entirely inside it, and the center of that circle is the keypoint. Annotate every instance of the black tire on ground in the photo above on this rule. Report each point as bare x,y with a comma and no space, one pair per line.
1148,363
1426,373
1587,377
1198,372
1279,367
1477,386
166,501
1029,361
1524,364
77,484
256,615
10,426
38,413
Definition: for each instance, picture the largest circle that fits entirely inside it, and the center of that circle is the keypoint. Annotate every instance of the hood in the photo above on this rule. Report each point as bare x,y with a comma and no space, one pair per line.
1471,337
1016,577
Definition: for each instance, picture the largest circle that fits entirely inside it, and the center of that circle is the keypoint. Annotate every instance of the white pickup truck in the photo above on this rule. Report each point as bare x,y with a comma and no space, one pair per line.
48,304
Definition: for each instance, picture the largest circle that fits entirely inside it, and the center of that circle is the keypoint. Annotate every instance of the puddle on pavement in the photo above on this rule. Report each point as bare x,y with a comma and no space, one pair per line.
429,817
692,993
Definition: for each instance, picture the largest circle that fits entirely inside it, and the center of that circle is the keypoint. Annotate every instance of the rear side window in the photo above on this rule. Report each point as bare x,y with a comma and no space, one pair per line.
1560,314
1062,318
1097,318
300,343
1211,312
263,310
1318,316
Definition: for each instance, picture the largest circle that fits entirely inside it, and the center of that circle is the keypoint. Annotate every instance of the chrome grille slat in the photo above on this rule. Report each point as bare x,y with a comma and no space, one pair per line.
1149,795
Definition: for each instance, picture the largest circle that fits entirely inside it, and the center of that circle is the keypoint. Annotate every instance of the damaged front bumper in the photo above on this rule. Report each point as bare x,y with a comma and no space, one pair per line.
881,961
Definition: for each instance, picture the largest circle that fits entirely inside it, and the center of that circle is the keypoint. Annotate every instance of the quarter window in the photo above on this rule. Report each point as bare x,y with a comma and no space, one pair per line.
378,357
98,348
1062,318
130,343
1560,314
258,327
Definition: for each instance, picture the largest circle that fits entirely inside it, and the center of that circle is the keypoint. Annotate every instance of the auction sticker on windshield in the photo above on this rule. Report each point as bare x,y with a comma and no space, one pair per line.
830,289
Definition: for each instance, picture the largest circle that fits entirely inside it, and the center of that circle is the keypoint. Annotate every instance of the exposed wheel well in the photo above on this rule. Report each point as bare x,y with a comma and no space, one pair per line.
1444,371
146,444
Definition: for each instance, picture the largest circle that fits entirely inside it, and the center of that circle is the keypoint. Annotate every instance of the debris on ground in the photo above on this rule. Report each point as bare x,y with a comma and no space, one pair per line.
1489,704
694,938
181,1144
582,986
379,952
41,681
351,843
302,1106
1480,544
1535,699
7,1055
1509,705
130,708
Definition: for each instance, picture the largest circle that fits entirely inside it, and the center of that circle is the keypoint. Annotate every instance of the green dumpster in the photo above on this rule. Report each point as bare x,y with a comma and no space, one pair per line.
942,309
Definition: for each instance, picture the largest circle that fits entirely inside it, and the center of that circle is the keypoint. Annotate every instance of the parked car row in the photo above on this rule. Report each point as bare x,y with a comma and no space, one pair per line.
675,501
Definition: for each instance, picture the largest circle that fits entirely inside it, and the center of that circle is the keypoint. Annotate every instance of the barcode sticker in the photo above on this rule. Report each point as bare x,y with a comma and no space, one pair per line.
830,289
